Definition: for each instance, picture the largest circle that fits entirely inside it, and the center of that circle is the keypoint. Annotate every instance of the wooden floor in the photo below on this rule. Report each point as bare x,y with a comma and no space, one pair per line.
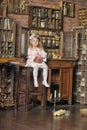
38,119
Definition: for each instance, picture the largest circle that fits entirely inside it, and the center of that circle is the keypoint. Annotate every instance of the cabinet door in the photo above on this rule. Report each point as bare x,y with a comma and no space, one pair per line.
23,42
69,47
66,85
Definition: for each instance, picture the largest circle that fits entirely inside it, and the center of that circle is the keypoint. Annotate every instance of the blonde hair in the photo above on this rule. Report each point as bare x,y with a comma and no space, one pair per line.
39,42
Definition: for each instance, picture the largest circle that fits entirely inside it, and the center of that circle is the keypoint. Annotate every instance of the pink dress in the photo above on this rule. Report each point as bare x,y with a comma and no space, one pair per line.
32,52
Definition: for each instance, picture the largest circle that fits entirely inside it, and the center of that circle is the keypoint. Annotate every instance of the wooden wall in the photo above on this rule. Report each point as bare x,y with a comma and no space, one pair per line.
22,20
68,23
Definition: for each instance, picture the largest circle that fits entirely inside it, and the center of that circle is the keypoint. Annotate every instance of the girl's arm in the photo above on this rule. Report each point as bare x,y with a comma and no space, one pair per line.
42,53
30,55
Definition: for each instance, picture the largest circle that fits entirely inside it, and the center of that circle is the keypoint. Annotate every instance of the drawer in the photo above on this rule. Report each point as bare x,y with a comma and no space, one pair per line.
54,64
57,64
66,64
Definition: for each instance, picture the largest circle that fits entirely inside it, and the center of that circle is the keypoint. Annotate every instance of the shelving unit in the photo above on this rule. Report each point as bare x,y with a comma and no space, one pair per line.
82,17
46,18
6,85
47,22
80,74
7,39
7,54
68,9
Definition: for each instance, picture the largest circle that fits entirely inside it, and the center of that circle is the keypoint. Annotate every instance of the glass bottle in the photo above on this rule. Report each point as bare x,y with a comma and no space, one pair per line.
48,42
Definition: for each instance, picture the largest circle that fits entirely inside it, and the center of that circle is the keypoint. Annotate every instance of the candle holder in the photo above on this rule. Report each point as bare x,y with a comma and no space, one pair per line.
54,98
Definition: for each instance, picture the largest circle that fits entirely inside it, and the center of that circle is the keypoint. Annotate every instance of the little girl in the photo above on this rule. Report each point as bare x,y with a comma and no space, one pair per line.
36,59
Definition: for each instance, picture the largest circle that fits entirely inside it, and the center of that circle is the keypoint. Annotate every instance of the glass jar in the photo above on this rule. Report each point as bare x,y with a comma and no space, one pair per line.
42,23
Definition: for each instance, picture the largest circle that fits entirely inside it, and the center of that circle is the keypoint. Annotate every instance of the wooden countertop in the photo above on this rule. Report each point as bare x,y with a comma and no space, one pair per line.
5,60
62,59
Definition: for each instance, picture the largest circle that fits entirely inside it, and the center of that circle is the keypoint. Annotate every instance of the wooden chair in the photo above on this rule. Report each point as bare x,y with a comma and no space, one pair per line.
30,91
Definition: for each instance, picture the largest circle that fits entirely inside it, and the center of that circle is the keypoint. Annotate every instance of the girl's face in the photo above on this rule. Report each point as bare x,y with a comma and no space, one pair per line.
34,42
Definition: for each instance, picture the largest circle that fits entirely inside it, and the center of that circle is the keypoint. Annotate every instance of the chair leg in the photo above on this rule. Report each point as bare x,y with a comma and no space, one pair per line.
17,90
44,97
27,89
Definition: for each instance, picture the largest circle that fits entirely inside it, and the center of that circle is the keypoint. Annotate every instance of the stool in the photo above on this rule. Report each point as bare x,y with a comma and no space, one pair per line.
29,90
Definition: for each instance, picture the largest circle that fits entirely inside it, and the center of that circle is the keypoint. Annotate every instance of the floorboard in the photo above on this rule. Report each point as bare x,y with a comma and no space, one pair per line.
40,119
